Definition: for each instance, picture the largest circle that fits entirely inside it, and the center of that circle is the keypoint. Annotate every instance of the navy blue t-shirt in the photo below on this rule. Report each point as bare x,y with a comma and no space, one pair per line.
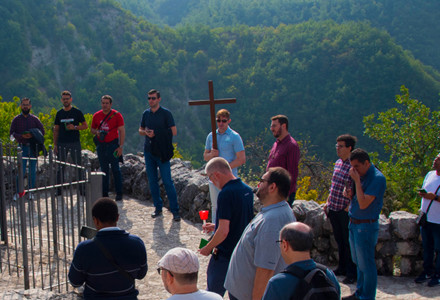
159,120
235,203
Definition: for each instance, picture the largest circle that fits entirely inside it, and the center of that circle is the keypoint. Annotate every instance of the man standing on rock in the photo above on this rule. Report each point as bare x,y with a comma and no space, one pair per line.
337,206
257,256
179,269
234,212
108,126
285,152
109,263
365,207
68,123
230,147
157,125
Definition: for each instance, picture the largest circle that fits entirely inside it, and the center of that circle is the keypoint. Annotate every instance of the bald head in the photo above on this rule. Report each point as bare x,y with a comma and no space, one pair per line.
218,164
298,235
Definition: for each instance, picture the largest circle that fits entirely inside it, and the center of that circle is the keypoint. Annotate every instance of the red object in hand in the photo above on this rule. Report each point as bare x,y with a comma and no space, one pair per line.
204,214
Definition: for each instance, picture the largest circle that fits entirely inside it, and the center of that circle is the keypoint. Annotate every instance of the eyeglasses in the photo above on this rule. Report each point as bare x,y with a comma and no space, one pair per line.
160,269
222,120
152,98
65,98
340,146
263,180
279,241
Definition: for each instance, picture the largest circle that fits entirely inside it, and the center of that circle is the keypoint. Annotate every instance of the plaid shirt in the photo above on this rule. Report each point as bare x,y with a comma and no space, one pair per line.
21,124
340,179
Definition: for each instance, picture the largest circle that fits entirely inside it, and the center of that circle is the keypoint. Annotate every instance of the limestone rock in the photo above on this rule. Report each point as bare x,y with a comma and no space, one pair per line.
403,225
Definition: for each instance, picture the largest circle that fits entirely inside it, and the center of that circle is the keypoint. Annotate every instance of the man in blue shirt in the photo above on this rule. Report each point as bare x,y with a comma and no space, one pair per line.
296,241
92,261
235,211
158,127
230,147
365,207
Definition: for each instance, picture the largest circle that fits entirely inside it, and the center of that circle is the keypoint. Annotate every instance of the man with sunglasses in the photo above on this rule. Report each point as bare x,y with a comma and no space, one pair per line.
285,152
230,147
158,127
179,270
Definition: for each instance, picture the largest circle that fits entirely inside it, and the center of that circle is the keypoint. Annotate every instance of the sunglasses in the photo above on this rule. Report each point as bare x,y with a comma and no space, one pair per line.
152,98
222,121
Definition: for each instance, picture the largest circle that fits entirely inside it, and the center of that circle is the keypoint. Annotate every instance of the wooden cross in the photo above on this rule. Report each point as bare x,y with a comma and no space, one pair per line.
212,102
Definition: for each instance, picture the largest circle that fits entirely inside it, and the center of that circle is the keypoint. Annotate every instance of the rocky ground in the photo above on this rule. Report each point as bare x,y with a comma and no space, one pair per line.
162,234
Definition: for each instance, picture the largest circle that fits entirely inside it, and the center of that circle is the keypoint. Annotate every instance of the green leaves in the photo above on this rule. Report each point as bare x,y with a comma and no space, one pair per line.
410,134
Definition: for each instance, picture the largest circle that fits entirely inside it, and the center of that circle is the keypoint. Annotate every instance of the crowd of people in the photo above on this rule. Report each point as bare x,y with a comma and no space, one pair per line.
266,256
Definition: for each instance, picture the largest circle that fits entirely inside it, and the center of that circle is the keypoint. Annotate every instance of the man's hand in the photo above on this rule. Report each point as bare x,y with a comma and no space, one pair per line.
205,251
149,133
429,196
354,175
214,153
347,193
70,126
26,135
119,151
208,227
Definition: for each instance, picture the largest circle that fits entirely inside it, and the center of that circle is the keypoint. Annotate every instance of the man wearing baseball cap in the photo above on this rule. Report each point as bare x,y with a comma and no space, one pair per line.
179,269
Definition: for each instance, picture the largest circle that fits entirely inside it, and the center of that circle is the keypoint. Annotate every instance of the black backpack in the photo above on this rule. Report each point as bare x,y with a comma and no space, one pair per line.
313,284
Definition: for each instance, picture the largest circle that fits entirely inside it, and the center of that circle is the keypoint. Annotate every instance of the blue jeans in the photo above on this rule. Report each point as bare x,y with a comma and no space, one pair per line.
431,243
152,163
32,165
106,157
363,240
216,273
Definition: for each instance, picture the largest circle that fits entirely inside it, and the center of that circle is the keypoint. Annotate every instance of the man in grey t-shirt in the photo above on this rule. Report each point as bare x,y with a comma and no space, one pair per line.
257,256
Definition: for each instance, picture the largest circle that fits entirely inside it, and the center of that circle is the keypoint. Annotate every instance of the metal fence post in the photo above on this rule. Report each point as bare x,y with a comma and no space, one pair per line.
23,224
4,226
53,170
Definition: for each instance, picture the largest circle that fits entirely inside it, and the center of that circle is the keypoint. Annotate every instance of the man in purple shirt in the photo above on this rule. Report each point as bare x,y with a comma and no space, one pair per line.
337,206
285,152
20,130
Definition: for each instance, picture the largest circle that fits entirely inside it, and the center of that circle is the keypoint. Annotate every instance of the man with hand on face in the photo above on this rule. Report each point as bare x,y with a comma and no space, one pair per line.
108,126
235,211
20,130
285,152
230,147
365,207
157,125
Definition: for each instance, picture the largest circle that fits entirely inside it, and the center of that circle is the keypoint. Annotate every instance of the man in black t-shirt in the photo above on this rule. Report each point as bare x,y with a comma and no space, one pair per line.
68,122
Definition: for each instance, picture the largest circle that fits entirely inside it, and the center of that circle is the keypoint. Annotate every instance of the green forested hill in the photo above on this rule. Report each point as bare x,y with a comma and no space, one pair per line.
413,23
323,75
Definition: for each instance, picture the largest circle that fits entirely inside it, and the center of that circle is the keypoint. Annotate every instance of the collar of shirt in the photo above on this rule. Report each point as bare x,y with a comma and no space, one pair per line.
227,131
110,229
286,138
272,206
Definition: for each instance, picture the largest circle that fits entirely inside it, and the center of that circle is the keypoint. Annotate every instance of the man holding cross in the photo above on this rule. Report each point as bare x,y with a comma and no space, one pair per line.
230,147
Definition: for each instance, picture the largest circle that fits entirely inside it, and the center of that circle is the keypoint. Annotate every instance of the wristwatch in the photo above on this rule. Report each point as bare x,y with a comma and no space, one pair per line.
76,127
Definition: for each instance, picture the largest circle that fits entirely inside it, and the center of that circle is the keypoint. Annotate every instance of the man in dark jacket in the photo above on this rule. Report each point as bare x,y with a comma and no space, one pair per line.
109,263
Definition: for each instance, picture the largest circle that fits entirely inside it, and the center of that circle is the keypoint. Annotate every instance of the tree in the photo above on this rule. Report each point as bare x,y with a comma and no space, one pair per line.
410,134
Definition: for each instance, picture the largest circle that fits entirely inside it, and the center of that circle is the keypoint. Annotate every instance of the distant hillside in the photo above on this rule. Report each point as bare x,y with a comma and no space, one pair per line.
413,23
324,76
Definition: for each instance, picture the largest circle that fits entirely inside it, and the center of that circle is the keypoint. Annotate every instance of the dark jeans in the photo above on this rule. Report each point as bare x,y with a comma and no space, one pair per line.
152,163
216,273
431,243
32,165
106,158
339,221
64,149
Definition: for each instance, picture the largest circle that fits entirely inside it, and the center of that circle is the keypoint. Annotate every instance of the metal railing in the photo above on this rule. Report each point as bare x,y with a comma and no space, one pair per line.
40,226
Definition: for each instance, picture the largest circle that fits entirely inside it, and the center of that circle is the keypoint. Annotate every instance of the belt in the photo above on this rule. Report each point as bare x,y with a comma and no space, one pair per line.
356,221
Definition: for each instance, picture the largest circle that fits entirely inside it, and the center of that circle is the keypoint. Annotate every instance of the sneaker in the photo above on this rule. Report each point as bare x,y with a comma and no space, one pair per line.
423,277
118,197
156,214
176,218
15,197
435,280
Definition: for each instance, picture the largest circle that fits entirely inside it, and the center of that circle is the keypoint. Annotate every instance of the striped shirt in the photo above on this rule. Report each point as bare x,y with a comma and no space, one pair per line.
336,201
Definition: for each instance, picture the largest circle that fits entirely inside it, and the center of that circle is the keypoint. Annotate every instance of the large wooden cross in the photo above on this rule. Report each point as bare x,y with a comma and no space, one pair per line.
212,102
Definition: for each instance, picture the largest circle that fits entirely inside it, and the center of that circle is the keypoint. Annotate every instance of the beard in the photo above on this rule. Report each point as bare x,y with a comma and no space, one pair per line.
277,133
25,111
